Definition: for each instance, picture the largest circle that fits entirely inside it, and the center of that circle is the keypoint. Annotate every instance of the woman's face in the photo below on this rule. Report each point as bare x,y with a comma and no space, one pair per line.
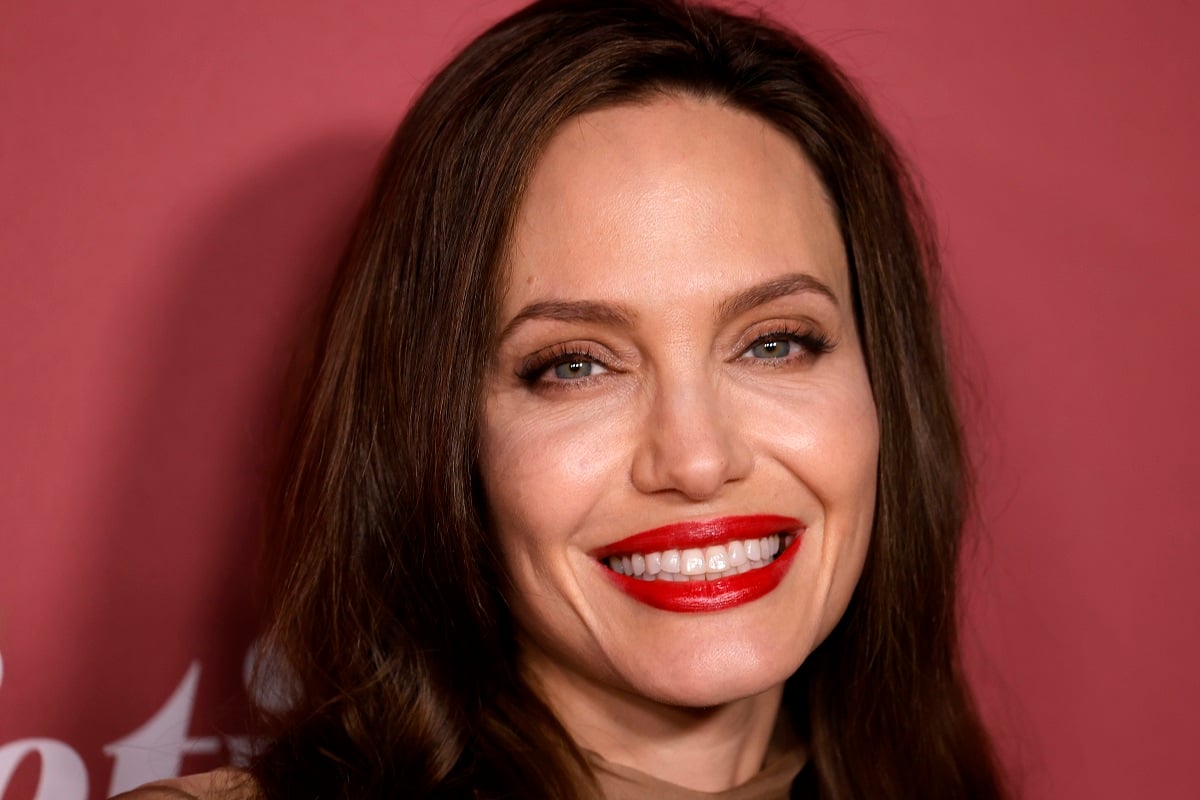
678,362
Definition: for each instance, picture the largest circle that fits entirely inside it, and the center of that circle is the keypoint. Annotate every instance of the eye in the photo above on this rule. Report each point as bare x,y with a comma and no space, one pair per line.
771,348
788,345
560,366
575,367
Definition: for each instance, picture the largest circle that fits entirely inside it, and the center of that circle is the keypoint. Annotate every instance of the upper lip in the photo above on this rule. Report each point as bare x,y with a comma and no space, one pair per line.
700,533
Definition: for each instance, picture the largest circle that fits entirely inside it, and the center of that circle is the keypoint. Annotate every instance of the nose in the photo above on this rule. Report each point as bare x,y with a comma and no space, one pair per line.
690,443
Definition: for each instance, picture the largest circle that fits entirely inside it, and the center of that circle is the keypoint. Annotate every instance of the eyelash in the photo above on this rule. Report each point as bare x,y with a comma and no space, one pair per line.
812,345
537,365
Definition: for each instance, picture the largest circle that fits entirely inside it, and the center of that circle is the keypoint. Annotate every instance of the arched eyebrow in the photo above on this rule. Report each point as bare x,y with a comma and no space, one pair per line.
616,315
611,315
759,294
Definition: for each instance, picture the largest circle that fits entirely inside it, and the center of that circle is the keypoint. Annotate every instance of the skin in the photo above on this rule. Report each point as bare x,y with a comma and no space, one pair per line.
658,215
230,784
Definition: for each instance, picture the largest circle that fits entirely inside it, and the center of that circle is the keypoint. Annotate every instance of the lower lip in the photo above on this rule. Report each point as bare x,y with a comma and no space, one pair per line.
706,595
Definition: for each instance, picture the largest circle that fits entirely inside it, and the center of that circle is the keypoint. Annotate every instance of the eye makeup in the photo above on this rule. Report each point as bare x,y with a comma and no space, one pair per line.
573,356
573,364
811,344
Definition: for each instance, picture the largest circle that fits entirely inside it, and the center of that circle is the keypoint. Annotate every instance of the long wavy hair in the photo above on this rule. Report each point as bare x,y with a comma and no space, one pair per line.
387,595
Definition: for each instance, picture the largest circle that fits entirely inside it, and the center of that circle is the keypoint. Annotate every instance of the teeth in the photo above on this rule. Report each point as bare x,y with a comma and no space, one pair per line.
696,564
716,559
753,550
691,561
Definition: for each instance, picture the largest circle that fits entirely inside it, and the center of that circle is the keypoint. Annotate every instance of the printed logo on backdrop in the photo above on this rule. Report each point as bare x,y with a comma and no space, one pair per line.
153,751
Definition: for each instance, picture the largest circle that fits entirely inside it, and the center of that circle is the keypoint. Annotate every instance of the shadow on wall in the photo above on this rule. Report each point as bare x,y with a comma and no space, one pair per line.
167,614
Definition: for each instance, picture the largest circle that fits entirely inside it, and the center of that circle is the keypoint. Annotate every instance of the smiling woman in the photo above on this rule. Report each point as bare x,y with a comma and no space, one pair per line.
705,396
626,464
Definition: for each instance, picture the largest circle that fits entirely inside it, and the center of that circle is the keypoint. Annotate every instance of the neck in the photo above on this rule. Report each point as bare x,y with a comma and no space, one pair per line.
705,749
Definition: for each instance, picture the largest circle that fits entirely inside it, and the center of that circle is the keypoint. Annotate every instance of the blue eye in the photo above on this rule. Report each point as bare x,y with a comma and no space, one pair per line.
561,366
575,368
788,346
771,348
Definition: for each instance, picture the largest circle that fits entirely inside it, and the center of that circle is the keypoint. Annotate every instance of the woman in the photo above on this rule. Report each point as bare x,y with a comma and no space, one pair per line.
627,463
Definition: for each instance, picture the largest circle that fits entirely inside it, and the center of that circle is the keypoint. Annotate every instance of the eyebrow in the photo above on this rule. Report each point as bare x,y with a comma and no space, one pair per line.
615,315
572,311
795,283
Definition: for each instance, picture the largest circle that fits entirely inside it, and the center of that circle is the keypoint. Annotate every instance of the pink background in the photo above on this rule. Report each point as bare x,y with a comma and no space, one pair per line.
175,177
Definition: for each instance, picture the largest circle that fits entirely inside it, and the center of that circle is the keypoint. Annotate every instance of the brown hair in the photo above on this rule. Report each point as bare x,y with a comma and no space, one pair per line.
387,592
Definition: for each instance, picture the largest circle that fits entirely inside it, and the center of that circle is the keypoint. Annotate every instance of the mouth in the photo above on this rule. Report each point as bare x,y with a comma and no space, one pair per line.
703,566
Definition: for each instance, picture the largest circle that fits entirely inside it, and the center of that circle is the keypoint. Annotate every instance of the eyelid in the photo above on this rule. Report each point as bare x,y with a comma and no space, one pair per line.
534,366
813,340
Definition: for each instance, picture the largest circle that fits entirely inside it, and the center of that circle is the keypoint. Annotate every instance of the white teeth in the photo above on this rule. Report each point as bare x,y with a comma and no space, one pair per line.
691,561
737,553
753,550
716,559
710,563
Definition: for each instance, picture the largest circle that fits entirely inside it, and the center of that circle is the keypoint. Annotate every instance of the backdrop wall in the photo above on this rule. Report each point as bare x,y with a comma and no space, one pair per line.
175,179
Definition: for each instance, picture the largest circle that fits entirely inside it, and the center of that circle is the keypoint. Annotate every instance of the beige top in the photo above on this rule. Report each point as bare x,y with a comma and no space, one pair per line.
773,781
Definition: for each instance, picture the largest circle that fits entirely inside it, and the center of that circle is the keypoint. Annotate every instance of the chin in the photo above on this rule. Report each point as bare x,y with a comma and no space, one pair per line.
715,676
704,694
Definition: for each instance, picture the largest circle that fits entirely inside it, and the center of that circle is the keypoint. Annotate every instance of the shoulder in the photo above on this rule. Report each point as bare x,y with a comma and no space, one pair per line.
220,784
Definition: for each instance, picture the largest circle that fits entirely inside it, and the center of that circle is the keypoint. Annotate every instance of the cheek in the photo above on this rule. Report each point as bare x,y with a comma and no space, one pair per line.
828,449
826,435
544,472
844,453
847,493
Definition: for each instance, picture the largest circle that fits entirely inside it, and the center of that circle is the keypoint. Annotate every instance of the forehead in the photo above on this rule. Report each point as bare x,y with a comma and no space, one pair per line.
645,202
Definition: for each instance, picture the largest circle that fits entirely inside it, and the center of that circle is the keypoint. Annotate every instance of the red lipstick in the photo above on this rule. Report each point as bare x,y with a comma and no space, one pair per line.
705,595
